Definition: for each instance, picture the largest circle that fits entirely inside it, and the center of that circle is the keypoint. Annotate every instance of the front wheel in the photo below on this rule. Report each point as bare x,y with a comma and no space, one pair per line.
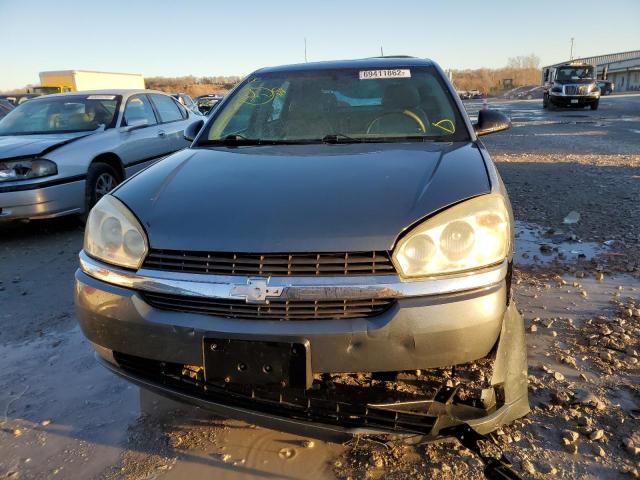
101,179
594,105
550,105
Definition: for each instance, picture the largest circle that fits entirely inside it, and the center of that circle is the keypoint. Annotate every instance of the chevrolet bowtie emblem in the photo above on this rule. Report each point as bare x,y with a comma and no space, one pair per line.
256,291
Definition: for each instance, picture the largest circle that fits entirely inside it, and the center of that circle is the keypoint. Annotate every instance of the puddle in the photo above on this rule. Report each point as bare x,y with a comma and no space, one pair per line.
62,413
99,426
537,245
629,119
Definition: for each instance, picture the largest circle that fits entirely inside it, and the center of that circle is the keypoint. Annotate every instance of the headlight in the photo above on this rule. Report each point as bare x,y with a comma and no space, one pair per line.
25,169
556,89
113,234
594,88
467,236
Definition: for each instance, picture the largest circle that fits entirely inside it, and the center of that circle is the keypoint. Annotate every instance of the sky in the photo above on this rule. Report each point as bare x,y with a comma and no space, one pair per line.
199,37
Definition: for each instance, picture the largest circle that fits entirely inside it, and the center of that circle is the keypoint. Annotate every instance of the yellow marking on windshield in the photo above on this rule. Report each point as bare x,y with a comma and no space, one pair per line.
262,95
445,125
417,119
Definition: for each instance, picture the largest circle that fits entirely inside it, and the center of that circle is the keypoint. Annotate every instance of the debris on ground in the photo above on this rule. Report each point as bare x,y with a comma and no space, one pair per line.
571,218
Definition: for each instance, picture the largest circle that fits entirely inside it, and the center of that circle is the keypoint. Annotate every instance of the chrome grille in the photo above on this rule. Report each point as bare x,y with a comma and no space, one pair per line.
273,310
576,89
271,264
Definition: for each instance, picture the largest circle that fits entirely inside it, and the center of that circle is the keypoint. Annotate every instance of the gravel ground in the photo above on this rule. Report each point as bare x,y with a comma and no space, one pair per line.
63,416
603,189
583,345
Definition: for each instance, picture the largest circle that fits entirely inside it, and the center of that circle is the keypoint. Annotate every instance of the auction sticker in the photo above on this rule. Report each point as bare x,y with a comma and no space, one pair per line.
378,74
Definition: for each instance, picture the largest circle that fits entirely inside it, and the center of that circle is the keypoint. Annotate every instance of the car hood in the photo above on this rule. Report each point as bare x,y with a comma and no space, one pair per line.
306,198
29,145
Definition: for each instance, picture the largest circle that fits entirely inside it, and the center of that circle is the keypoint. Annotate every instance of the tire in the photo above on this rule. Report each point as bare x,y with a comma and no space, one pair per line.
101,179
550,105
594,105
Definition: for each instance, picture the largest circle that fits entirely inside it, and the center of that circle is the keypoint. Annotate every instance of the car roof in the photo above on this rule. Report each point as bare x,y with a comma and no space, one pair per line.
373,62
125,92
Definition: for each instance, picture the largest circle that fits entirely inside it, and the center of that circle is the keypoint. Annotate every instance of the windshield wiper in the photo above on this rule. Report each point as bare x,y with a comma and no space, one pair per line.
342,138
44,132
336,138
332,138
235,139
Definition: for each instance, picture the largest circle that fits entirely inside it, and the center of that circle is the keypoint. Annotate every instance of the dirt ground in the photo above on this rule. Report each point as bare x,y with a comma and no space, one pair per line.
577,285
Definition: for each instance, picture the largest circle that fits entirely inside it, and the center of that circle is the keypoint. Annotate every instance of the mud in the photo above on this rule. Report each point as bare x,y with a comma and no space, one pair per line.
62,414
573,387
537,245
604,190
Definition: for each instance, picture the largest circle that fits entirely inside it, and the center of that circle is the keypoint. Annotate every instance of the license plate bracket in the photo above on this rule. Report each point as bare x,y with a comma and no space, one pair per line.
251,362
574,100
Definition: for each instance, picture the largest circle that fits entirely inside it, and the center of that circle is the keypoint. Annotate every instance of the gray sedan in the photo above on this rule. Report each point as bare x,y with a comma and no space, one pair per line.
59,154
332,254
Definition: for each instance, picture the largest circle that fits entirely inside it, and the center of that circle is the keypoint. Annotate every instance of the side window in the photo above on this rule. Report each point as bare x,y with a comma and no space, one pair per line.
139,108
188,101
183,110
167,108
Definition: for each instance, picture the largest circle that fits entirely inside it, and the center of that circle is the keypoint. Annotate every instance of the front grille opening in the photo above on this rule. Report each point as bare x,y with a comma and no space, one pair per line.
347,399
273,310
271,264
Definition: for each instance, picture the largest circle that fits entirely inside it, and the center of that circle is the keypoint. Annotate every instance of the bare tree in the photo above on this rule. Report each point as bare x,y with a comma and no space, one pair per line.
193,86
524,61
490,81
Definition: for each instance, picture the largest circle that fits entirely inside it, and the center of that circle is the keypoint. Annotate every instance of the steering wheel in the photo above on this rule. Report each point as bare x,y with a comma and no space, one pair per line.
406,113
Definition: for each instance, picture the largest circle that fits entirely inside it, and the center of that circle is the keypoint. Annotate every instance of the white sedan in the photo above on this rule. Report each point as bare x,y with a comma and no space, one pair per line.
59,154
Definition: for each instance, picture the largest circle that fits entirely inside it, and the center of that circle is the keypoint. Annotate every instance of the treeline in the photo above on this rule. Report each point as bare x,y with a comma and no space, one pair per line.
522,70
193,86
492,81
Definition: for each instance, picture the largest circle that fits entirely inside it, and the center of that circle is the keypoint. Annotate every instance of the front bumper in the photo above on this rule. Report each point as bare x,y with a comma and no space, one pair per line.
27,201
418,332
573,100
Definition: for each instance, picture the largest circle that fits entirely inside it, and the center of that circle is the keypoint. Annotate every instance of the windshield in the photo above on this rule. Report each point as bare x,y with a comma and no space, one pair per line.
574,73
64,114
343,105
207,101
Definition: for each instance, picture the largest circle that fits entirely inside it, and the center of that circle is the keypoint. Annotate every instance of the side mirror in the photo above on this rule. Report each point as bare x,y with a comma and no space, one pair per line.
491,121
191,132
135,124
